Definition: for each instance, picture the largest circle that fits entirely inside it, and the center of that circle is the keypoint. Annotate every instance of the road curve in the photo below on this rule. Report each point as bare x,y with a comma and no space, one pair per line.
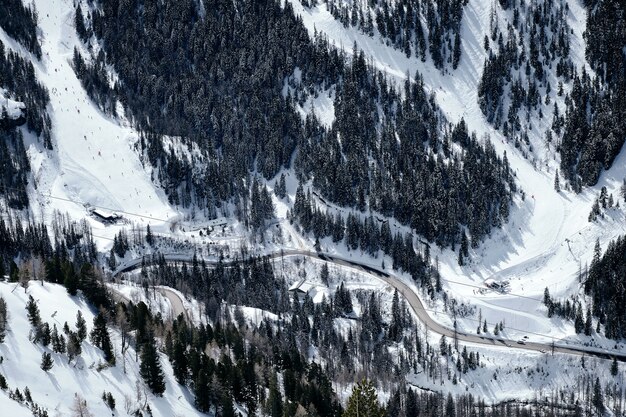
406,291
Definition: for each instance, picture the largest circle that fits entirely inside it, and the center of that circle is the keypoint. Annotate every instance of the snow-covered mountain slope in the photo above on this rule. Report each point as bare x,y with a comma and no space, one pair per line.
546,241
55,390
93,161
548,237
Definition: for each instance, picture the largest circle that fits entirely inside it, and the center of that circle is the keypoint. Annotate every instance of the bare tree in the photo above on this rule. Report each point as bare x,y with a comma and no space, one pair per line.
25,275
79,407
122,322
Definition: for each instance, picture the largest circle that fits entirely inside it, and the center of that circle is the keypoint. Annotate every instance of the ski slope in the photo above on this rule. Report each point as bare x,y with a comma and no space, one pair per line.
93,161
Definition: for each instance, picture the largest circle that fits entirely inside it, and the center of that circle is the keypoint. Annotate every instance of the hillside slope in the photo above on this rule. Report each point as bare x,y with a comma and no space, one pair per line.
547,240
55,390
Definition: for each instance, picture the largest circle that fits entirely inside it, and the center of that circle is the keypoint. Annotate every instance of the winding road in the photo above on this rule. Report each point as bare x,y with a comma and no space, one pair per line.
406,291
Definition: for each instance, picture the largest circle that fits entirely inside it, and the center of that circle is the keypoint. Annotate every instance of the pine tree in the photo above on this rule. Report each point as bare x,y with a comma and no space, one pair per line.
100,337
80,24
4,319
324,274
274,400
363,402
614,367
150,368
557,185
598,399
588,323
81,326
71,280
32,312
179,362
149,236
201,389
111,261
46,362
456,57
73,347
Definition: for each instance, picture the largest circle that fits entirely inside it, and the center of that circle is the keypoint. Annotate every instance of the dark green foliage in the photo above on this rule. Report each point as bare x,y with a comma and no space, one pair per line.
32,312
46,362
73,346
20,23
357,162
17,75
100,337
81,326
109,400
150,368
79,23
71,280
537,39
15,167
149,237
4,319
400,24
593,129
280,189
614,367
363,402
604,283
595,118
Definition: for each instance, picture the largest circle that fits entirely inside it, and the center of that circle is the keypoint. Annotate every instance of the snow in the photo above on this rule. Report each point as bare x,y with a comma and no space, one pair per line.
14,109
94,160
544,244
55,390
548,238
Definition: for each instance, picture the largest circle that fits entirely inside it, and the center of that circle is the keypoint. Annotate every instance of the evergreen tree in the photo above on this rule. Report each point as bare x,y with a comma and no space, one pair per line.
4,319
32,312
81,326
614,367
598,398
324,274
179,362
71,279
100,337
80,23
557,185
46,362
149,236
73,347
363,401
274,400
150,368
202,391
